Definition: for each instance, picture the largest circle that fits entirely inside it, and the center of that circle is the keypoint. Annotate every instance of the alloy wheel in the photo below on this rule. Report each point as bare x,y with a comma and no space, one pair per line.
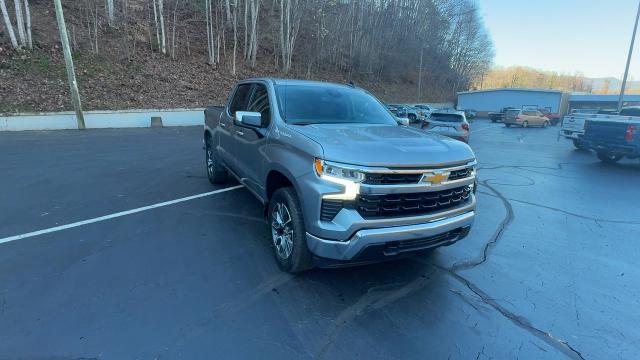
282,230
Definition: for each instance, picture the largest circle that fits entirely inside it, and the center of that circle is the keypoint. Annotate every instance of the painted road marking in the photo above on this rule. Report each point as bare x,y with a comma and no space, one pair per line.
115,215
483,129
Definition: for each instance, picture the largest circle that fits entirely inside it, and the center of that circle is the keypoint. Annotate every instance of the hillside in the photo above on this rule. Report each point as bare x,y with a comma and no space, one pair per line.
121,64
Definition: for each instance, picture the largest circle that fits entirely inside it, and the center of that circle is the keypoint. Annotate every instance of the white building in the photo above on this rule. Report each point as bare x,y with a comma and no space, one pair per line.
484,101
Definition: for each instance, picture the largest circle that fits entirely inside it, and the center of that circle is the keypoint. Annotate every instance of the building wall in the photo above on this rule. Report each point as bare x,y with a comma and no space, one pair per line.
486,101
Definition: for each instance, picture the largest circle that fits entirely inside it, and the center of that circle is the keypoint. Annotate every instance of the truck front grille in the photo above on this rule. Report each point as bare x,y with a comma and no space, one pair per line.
460,174
411,204
392,179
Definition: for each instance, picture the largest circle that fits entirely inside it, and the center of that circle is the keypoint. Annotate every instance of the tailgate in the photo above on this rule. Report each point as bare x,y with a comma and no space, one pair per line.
573,123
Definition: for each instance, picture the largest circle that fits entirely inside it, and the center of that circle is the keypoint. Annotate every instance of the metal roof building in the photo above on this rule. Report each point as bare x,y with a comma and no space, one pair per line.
487,100
595,101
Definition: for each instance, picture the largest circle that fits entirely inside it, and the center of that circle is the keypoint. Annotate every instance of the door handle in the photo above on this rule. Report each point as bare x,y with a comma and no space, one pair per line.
223,124
238,132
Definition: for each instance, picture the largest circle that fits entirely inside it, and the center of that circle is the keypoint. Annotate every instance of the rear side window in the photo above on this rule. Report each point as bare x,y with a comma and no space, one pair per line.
260,103
447,117
240,98
529,113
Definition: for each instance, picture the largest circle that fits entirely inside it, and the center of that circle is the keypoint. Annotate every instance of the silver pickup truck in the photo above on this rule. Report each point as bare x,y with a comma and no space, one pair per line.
340,181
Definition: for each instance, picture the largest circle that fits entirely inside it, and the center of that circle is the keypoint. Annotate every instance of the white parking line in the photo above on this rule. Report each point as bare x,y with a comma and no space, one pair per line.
483,129
115,215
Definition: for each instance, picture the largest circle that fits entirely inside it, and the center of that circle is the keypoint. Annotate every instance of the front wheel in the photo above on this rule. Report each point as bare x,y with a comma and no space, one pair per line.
609,157
525,124
545,124
507,125
288,234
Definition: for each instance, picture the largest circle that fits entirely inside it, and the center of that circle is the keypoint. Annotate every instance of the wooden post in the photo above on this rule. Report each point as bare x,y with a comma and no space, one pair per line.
71,76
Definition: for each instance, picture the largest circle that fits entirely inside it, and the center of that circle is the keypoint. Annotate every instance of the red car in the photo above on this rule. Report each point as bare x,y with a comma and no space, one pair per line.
554,118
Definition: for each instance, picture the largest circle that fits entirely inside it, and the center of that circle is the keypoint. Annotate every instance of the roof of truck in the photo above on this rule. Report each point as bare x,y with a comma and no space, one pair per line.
277,81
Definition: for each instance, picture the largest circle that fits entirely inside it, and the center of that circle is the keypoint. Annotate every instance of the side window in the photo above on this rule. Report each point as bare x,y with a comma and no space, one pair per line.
260,103
240,98
529,113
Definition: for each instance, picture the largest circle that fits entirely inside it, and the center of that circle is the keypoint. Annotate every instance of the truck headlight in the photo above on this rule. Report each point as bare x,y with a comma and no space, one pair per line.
347,177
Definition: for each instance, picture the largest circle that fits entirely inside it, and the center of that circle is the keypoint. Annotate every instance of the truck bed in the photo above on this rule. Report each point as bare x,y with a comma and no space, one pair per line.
611,135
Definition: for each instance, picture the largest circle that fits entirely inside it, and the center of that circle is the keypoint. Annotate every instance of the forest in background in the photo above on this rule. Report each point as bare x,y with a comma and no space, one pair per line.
525,77
188,53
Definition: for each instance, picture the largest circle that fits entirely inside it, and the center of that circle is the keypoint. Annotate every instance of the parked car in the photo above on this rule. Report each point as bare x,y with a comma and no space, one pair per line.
554,118
340,182
448,123
398,110
413,114
613,137
525,118
499,116
426,109
469,113
573,126
400,113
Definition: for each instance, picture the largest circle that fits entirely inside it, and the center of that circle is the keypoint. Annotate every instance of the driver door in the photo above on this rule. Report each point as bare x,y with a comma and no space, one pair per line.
249,142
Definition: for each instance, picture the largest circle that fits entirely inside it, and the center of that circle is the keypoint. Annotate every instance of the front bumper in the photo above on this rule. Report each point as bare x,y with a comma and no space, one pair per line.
389,242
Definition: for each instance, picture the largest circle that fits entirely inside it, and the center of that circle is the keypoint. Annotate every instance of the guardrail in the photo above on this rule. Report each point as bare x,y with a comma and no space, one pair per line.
101,119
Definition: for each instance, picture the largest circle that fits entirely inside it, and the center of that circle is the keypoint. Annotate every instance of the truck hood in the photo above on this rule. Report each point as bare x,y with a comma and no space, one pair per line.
385,145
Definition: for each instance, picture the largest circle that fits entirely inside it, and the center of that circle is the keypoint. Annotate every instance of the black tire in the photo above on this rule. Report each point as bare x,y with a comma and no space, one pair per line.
578,144
507,125
609,157
298,257
525,124
216,172
493,120
545,123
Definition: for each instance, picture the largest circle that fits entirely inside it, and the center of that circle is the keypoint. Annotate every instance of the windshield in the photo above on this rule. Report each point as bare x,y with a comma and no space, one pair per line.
447,117
304,104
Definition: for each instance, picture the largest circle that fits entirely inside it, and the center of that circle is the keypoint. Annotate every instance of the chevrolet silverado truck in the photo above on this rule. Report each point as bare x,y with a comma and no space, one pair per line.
613,138
573,125
340,182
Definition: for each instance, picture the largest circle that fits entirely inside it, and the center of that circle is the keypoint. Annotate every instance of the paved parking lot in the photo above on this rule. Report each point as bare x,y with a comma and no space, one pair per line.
549,271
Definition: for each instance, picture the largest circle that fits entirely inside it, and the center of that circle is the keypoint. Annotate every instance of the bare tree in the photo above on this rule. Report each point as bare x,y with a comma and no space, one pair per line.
20,22
27,14
163,37
110,12
8,25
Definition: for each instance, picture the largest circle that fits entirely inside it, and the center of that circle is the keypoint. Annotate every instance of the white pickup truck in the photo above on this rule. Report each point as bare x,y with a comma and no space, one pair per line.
573,126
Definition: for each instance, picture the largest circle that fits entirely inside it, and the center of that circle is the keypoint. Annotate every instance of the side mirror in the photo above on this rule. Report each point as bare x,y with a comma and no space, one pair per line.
249,118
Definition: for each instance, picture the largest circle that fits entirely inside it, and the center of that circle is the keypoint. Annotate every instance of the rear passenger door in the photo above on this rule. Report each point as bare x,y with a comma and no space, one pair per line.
238,102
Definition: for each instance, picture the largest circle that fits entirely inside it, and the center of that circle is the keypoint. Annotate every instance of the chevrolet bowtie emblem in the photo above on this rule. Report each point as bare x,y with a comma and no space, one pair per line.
435,178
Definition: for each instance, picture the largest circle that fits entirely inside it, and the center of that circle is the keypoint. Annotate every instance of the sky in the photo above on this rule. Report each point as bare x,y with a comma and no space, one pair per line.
568,36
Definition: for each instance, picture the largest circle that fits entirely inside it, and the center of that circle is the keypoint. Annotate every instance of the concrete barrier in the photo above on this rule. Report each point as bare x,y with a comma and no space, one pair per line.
100,119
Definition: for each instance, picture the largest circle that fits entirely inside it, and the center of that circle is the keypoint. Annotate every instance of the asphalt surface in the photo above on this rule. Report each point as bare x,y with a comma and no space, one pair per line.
549,271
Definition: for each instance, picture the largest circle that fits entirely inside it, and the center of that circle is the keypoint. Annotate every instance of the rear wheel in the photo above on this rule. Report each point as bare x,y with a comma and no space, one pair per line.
288,234
216,172
525,124
507,125
545,123
609,157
